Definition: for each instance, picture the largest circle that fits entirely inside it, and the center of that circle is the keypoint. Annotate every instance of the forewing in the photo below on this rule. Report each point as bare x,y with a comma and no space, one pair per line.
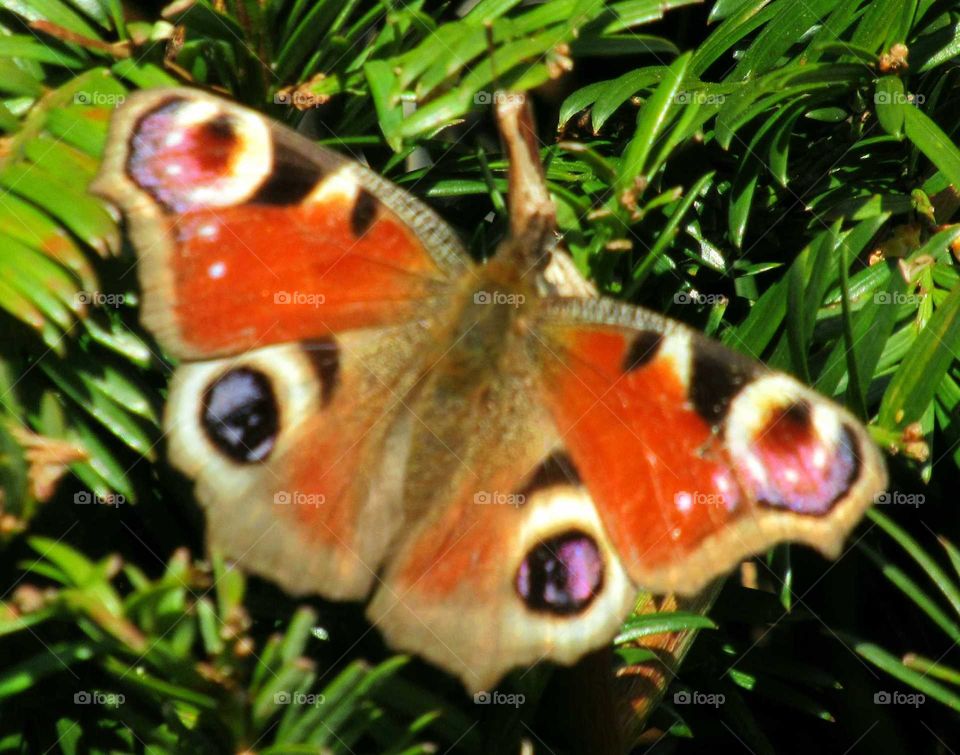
696,456
248,234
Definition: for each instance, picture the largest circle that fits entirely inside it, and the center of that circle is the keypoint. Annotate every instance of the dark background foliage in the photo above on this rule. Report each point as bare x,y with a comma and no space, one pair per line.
777,173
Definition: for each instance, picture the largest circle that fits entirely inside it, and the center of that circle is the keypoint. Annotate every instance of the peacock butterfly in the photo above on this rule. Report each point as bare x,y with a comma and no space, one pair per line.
491,455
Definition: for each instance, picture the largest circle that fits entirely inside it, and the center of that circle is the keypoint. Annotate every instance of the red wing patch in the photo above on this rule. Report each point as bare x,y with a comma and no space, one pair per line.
654,466
249,276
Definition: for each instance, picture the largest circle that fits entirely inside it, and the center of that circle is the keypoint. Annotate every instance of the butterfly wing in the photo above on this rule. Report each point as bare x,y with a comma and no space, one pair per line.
499,585
248,234
502,561
298,452
696,456
299,290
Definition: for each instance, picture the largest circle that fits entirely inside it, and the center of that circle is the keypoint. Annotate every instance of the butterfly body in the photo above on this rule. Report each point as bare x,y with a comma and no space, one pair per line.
492,456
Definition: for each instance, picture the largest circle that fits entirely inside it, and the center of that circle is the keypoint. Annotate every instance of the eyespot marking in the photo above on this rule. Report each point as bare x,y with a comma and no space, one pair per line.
189,154
802,462
240,416
561,575
167,159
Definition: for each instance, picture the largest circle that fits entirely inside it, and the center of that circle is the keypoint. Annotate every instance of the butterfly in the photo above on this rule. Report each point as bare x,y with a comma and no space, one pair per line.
492,456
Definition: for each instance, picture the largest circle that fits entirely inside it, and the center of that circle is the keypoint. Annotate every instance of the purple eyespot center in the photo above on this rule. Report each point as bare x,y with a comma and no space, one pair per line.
803,472
562,574
170,160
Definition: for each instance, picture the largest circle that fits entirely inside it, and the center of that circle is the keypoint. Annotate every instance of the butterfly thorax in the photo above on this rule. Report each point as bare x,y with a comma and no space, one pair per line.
479,334
480,368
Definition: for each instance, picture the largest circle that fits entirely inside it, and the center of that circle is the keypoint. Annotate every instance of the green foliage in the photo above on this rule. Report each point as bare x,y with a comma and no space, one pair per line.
781,174
919,672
